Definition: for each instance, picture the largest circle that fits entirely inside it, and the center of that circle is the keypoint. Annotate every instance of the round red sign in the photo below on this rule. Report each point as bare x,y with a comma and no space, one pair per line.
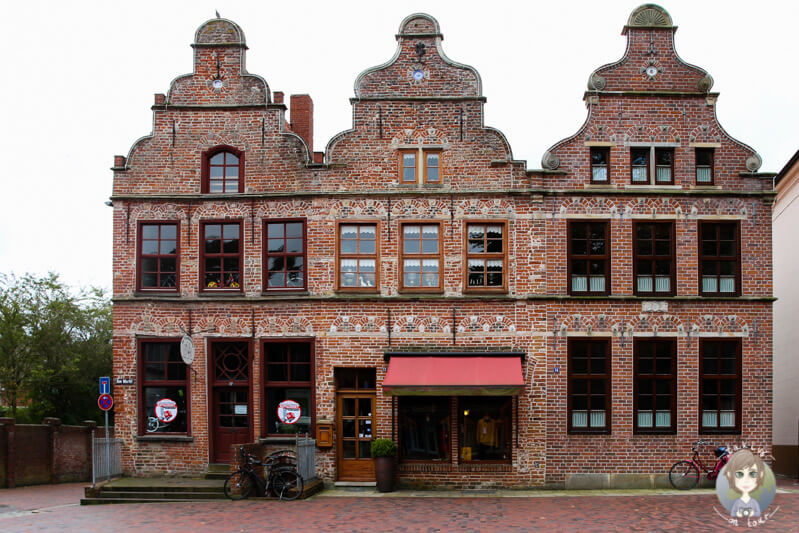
166,410
289,411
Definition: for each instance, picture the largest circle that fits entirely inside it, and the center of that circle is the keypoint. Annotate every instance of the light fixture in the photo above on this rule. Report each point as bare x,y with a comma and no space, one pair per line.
465,412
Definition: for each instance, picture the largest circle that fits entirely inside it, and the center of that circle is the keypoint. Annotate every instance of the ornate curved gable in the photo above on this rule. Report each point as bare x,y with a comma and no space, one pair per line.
419,68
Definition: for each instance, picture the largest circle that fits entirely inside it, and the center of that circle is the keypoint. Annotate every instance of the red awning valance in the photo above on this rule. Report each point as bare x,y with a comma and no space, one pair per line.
453,376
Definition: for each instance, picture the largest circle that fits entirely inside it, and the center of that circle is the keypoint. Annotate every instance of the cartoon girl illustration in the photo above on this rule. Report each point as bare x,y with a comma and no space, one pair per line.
745,473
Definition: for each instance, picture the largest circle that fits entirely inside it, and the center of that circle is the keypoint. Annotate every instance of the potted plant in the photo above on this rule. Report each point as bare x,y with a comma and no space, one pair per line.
384,452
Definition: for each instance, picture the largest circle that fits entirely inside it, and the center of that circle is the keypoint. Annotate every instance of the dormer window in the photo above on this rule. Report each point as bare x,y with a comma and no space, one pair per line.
223,171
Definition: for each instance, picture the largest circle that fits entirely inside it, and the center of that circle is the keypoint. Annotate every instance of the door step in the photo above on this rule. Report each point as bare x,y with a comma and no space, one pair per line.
217,471
355,484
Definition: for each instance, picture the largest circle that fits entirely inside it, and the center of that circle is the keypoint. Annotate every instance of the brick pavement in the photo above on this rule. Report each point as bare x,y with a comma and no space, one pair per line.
691,512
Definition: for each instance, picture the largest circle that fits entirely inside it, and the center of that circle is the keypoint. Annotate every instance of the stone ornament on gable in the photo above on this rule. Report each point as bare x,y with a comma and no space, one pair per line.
650,16
550,161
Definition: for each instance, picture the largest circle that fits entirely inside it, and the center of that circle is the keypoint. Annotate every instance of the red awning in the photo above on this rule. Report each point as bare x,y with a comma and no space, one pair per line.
452,376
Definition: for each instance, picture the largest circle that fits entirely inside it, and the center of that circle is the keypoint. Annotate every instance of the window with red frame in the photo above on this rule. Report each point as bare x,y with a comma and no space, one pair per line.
288,376
221,255
163,383
224,171
285,254
158,256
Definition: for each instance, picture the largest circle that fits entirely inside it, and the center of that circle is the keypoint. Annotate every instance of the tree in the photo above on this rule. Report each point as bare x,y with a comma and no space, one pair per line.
53,345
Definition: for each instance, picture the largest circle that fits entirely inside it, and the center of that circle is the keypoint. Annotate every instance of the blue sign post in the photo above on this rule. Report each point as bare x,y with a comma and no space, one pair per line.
106,403
105,385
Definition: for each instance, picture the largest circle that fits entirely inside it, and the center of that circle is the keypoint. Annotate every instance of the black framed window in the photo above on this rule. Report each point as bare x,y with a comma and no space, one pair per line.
589,257
664,165
164,397
719,258
589,391
654,258
704,166
600,165
720,386
655,370
424,428
639,163
288,375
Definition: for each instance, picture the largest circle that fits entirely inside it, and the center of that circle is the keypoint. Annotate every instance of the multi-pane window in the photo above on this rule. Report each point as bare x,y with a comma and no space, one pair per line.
589,386
416,162
432,167
720,386
164,390
664,165
221,255
639,161
589,258
704,166
654,258
719,258
223,171
486,255
284,254
600,165
424,428
158,256
655,386
357,256
421,257
288,375
408,166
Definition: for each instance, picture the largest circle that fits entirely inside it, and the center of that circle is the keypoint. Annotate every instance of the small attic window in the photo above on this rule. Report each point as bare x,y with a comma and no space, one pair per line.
223,170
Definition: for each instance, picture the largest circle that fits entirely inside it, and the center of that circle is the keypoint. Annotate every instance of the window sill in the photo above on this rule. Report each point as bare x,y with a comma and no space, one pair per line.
651,187
601,186
222,292
164,438
708,187
726,431
164,294
287,292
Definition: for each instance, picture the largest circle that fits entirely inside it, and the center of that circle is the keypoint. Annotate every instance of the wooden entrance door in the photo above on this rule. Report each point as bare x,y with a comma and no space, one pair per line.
355,423
230,397
355,426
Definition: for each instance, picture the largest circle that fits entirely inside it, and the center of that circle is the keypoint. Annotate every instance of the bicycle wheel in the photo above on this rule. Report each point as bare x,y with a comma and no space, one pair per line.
239,485
287,484
684,475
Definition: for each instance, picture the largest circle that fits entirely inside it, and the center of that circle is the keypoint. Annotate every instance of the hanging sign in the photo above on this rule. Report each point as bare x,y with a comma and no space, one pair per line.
187,349
289,412
166,410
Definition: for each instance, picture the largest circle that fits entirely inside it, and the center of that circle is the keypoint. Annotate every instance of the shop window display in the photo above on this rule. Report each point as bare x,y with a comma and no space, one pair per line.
424,428
485,424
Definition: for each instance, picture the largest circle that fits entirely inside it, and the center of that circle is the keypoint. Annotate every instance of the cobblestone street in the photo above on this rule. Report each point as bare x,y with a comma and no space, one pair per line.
48,508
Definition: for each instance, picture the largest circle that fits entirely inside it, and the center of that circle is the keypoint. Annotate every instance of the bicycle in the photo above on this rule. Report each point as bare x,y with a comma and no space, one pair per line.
281,477
684,475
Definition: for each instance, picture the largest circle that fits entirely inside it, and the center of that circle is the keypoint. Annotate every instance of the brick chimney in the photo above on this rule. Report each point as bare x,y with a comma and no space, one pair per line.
301,114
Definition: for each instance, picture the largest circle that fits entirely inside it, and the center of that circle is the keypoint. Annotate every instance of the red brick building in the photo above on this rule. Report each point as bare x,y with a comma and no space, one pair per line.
578,325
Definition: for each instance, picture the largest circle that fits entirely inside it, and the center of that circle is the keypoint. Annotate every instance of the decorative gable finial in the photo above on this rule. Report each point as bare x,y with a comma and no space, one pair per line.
650,16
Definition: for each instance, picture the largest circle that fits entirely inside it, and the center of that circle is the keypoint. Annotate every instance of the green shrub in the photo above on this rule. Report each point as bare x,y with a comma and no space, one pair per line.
384,448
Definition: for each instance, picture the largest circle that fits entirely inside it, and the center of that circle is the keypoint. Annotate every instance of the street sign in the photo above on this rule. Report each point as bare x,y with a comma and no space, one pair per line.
187,349
105,385
105,401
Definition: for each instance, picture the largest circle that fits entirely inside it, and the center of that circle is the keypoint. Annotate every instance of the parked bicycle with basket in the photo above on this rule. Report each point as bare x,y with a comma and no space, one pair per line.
281,477
685,474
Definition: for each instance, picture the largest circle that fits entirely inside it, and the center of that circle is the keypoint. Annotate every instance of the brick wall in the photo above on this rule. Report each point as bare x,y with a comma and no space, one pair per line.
35,454
441,106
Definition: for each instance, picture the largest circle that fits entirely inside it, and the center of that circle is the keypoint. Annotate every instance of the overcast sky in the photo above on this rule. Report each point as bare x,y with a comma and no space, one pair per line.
80,78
